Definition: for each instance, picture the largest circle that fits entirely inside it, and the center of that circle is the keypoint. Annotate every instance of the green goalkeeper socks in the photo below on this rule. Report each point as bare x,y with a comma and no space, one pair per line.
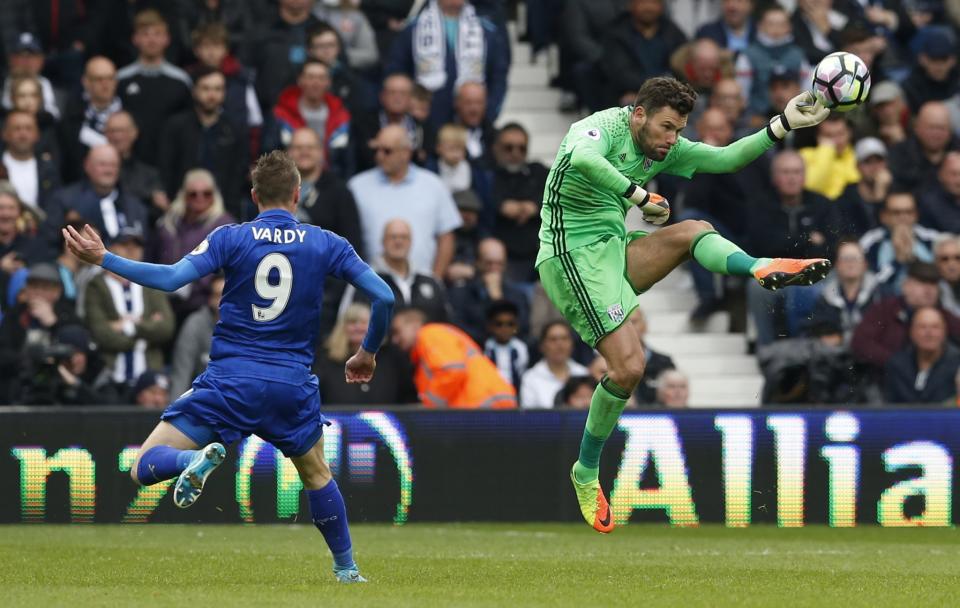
719,255
605,407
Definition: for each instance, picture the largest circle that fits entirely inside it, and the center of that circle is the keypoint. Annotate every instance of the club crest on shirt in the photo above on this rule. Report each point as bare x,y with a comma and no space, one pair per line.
615,312
622,156
593,134
203,246
647,163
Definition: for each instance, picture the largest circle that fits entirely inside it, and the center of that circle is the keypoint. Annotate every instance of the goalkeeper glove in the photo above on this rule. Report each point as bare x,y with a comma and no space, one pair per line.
655,208
801,111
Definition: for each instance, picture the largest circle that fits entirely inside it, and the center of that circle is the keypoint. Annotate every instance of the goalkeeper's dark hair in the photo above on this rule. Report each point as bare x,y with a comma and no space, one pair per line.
662,92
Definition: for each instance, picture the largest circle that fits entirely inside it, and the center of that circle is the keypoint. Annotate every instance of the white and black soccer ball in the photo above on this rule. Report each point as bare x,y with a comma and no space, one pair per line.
841,81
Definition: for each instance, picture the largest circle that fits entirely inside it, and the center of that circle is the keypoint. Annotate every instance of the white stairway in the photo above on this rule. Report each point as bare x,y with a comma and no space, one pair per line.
721,372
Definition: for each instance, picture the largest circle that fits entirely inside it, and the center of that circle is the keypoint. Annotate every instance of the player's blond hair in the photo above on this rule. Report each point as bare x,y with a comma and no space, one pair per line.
275,179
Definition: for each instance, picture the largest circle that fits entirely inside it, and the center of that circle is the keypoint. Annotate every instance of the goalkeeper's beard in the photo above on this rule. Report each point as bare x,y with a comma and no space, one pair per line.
652,153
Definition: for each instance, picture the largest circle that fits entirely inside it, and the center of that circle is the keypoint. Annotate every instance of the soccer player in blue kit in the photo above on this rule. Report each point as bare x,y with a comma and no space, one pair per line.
259,377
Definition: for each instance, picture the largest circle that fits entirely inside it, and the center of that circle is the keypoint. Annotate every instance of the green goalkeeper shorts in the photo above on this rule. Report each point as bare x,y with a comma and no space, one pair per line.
589,286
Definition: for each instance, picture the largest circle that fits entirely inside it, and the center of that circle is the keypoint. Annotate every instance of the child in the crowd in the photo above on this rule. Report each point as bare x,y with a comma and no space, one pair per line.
508,352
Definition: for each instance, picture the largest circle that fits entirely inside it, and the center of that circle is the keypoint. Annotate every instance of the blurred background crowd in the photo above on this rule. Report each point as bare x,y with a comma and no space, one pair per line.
141,118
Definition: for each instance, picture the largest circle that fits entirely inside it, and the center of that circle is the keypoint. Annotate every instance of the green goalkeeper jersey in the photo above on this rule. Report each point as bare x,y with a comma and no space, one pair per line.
598,160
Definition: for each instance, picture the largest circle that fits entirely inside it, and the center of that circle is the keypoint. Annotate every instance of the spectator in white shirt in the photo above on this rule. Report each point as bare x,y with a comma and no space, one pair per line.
540,383
34,176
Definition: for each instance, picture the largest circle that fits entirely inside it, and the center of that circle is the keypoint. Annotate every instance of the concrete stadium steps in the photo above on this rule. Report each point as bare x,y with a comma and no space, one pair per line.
698,344
679,322
716,365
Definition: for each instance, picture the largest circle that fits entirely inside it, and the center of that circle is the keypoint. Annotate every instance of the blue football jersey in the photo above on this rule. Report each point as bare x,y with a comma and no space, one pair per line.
275,269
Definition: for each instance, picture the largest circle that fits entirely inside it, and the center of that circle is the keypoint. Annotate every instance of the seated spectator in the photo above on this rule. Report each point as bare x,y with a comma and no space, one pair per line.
940,203
935,76
324,44
197,210
888,112
391,385
673,389
470,112
469,299
309,103
543,312
130,324
449,369
701,63
137,178
898,241
34,174
916,160
831,166
398,189
237,17
509,353
884,328
456,171
638,48
946,252
97,198
518,186
18,243
152,391
466,238
783,84
816,29
849,290
584,25
774,46
576,393
191,351
396,104
735,29
654,362
151,88
540,384
84,122
353,28
25,60
204,137
924,371
859,205
448,44
27,96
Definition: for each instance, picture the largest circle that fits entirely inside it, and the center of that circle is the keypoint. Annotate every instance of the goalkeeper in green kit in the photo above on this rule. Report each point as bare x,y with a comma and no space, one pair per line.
593,270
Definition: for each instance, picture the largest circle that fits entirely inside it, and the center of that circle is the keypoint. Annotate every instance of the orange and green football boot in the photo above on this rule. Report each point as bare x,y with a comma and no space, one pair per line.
786,272
593,504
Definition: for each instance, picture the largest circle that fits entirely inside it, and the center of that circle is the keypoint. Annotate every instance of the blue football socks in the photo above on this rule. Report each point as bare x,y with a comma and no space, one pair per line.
330,517
162,462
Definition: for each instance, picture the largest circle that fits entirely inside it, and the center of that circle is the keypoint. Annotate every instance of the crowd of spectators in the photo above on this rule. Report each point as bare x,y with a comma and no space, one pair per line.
141,119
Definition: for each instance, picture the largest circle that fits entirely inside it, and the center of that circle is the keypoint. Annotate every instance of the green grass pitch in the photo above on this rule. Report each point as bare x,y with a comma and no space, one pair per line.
479,565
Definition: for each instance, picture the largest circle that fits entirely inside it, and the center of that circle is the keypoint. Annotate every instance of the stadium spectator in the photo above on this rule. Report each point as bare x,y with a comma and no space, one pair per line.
859,205
34,174
831,165
898,241
446,45
915,161
816,28
783,84
849,290
701,63
309,103
204,137
237,17
97,198
517,193
196,211
354,30
924,371
323,44
18,243
946,252
540,383
884,328
887,112
673,389
276,50
735,29
450,370
398,189
456,171
191,351
84,121
466,238
576,393
391,385
25,60
508,352
935,76
940,202
421,102
638,48
137,178
396,101
654,362
469,299
584,25
151,88
470,112
151,391
774,47
27,96
130,324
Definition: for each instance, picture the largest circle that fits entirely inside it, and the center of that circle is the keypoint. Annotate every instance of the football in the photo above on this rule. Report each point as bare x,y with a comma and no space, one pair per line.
841,81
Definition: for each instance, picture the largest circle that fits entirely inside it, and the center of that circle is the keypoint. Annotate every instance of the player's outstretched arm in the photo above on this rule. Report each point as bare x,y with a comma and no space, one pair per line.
88,247
360,367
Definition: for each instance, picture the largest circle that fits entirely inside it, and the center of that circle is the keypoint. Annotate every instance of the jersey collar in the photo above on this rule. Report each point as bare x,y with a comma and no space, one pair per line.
277,213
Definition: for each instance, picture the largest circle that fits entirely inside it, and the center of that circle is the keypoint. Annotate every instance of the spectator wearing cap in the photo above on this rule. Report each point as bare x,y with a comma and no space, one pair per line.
191,351
773,47
40,312
888,113
98,198
541,383
735,29
831,165
899,240
508,352
129,323
885,325
466,237
26,61
859,204
518,185
924,371
151,88
137,178
152,391
915,161
940,202
935,77
84,122
35,174
204,137
398,189
849,290
946,252
396,103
